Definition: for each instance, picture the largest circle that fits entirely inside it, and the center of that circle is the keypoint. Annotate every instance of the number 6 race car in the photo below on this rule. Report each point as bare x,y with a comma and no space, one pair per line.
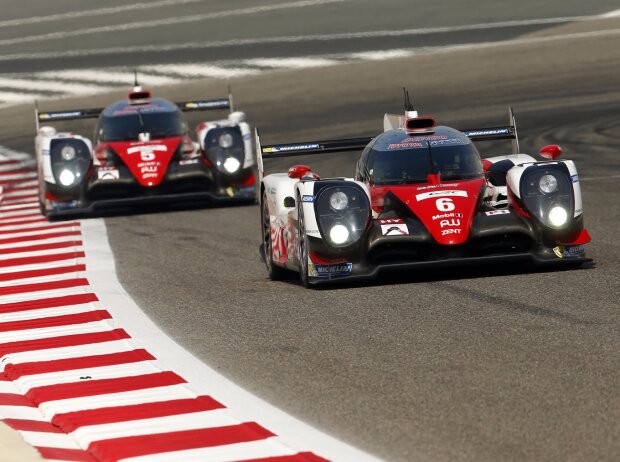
422,197
143,153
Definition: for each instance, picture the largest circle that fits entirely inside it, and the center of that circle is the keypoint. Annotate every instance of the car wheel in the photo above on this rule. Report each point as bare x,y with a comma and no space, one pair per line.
275,272
302,246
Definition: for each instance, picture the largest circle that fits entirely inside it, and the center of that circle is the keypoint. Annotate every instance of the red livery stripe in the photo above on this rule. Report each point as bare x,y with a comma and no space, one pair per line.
64,320
73,455
62,341
39,286
102,386
40,259
42,272
32,425
39,237
52,302
133,446
40,228
39,247
13,399
15,371
72,420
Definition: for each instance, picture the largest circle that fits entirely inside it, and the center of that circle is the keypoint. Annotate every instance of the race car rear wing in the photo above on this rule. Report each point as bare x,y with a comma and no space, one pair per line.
508,132
276,151
93,113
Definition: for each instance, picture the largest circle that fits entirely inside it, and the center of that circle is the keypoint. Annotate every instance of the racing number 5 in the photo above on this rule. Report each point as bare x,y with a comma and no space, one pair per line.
444,204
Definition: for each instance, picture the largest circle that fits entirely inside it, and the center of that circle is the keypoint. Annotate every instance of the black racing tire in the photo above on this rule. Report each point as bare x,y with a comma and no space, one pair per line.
275,273
302,246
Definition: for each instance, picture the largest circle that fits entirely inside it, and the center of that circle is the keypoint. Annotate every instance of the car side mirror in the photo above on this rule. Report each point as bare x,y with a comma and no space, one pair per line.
289,202
551,151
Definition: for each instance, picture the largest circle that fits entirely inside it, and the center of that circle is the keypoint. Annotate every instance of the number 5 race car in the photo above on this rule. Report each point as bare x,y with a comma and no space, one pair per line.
142,153
422,197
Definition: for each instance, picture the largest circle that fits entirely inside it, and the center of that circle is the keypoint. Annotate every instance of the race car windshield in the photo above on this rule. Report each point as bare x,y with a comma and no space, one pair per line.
127,127
404,166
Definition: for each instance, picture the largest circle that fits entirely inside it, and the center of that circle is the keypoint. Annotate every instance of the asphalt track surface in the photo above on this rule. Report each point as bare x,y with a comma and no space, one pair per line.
473,365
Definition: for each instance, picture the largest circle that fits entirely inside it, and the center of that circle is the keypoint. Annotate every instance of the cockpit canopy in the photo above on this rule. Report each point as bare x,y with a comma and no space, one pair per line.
122,121
396,157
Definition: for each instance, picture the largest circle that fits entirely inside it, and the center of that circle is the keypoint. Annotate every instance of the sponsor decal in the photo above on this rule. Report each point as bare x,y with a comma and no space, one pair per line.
295,147
497,131
327,271
435,186
396,229
307,198
59,115
569,251
108,173
447,215
450,192
453,141
575,178
497,212
578,212
207,104
247,136
45,152
453,222
424,138
188,161
445,232
403,145
390,221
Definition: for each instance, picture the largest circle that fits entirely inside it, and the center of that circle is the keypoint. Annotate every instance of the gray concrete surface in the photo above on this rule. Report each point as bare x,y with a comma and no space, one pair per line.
457,365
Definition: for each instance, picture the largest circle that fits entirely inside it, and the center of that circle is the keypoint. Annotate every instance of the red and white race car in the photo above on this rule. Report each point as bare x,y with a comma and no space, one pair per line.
142,153
422,197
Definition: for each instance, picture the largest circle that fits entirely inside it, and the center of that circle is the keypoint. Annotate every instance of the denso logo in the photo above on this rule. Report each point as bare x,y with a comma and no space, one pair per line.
448,215
445,223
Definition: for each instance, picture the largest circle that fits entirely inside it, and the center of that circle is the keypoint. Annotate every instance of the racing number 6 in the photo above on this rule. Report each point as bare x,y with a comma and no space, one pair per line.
444,204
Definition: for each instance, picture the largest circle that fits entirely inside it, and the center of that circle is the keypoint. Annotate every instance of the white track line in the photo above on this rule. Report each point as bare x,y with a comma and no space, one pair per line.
134,369
107,77
49,85
301,38
21,412
95,12
78,351
57,331
45,313
49,440
168,21
178,422
125,398
290,63
270,447
12,97
200,70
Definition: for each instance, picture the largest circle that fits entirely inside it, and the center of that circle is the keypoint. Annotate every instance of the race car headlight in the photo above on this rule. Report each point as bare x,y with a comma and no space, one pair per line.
548,184
225,149
338,201
70,160
231,164
225,140
558,216
67,152
66,177
339,234
343,212
547,194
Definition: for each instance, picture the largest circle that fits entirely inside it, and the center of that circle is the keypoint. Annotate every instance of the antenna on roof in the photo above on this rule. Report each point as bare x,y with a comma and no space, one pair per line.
136,84
410,112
